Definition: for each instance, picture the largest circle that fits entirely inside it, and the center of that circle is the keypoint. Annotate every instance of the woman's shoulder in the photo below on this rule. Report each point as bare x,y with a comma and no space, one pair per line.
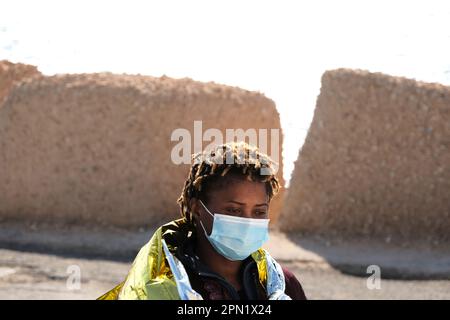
293,287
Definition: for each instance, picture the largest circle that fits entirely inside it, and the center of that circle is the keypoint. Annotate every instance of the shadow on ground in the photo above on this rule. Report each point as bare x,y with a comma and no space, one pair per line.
75,242
351,258
414,262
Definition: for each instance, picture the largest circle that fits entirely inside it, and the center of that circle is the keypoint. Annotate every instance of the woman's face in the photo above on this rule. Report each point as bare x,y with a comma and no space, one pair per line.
239,197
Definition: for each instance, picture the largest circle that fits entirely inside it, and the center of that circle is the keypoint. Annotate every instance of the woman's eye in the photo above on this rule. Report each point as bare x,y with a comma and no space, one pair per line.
261,213
233,210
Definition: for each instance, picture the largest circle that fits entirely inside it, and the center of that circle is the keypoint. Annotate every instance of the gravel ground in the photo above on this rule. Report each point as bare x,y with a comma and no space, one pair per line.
26,275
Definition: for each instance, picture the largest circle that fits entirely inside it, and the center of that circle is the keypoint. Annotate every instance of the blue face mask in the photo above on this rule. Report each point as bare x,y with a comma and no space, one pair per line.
236,238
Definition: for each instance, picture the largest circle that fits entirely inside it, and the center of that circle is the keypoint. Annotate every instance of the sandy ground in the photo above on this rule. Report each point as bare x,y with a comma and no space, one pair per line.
41,276
45,263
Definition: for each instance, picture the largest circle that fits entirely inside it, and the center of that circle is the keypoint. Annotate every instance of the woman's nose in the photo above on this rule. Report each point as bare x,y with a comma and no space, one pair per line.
247,214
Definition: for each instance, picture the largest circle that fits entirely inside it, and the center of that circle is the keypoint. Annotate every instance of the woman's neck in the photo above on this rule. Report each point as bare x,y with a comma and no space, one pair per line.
216,262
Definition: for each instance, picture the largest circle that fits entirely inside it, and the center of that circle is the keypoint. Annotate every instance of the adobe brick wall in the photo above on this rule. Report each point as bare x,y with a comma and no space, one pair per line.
95,148
12,73
376,161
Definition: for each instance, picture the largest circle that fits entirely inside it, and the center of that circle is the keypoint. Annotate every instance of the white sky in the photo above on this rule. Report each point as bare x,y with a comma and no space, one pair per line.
280,48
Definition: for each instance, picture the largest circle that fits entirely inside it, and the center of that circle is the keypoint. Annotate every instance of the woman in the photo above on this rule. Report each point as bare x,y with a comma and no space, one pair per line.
214,251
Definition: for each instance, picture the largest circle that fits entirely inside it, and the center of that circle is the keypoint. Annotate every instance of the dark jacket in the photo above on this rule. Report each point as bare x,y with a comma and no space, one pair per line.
212,286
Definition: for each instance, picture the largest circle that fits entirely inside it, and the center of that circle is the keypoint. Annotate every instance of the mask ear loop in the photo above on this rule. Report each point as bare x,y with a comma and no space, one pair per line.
204,230
207,210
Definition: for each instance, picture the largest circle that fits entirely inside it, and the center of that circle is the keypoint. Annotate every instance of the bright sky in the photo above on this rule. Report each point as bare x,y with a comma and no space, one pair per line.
280,48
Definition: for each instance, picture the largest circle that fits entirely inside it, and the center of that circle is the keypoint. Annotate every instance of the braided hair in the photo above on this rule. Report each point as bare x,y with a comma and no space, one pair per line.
209,167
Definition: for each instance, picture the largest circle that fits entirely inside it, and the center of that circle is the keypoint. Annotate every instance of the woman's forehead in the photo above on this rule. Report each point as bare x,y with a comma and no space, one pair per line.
239,190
